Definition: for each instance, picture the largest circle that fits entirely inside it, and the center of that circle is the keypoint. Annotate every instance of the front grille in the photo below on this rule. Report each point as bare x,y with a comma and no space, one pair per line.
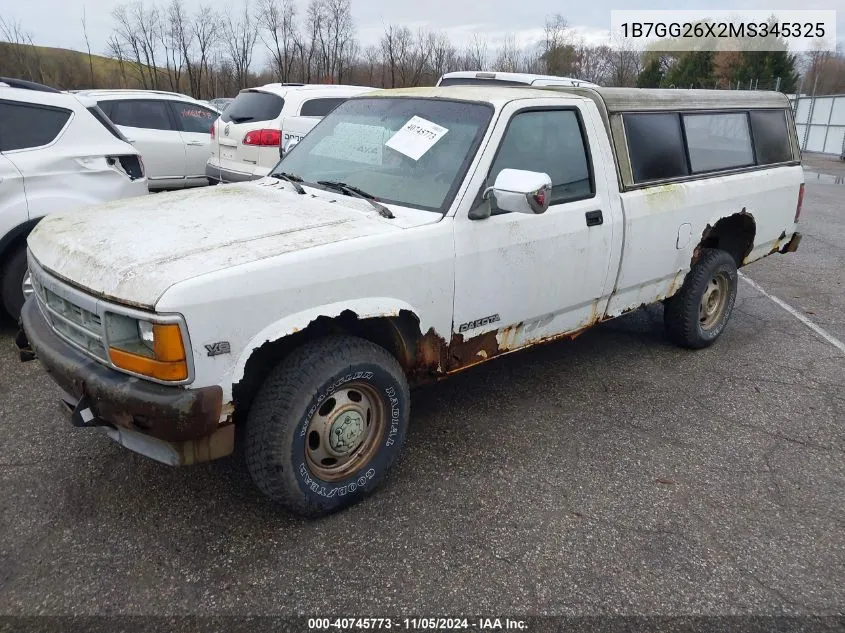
71,321
88,323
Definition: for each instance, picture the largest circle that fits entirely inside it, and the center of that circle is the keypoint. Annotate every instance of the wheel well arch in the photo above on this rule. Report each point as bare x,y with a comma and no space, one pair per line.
399,334
733,233
15,237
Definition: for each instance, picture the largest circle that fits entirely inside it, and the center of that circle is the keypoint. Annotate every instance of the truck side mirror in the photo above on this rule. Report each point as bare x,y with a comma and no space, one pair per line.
521,191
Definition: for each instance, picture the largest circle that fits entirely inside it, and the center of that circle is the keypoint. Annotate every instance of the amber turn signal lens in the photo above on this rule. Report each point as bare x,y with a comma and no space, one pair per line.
162,370
167,343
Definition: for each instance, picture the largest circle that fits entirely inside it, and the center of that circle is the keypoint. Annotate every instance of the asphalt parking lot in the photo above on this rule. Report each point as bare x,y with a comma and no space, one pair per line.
612,474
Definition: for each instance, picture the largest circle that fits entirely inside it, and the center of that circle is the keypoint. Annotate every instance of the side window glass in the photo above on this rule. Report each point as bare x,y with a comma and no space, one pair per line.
718,141
655,146
194,118
151,115
771,136
551,142
320,107
23,125
106,106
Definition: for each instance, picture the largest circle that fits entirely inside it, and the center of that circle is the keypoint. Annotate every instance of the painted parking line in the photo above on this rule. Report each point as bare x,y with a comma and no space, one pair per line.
815,328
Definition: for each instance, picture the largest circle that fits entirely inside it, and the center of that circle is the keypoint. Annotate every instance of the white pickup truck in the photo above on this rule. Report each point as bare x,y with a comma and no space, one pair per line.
412,234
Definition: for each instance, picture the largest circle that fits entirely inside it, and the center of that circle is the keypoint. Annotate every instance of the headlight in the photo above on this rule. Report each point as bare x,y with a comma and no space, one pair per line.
146,332
147,348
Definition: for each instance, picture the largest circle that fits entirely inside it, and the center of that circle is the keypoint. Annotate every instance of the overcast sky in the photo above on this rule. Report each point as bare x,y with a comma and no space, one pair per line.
57,22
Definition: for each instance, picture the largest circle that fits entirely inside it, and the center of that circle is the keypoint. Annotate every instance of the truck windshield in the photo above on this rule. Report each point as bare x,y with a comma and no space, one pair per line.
405,151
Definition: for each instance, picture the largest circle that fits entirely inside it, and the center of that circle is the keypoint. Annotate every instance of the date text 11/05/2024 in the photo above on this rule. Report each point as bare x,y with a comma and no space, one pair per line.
417,624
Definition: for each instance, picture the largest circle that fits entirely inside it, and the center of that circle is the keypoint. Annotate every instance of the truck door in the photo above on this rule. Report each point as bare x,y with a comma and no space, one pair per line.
543,274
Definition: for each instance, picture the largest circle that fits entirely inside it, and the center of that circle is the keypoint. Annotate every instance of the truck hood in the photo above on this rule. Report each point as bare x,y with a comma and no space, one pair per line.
131,251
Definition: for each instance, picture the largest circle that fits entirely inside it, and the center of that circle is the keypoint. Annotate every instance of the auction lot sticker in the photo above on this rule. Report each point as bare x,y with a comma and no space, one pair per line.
416,137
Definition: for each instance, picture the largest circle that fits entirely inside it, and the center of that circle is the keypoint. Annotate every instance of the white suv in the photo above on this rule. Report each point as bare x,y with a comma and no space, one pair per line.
261,123
57,153
172,131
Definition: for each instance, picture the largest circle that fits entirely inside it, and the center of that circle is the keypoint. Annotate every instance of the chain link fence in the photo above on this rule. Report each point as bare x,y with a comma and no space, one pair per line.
821,124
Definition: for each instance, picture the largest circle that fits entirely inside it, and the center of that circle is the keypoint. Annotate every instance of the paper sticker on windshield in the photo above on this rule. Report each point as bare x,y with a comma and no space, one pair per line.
416,137
354,142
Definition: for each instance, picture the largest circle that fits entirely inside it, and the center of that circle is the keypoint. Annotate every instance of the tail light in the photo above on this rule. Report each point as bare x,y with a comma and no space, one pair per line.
213,125
263,138
800,203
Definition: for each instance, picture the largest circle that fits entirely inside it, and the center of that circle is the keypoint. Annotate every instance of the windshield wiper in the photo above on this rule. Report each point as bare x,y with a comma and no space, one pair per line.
291,178
241,119
355,192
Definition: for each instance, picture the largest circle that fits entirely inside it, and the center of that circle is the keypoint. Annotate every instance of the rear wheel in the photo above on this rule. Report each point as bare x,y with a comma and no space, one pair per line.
697,315
327,424
11,285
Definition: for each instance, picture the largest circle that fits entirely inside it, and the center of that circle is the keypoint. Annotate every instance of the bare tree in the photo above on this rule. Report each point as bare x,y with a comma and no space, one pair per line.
510,56
88,46
331,33
278,22
147,26
205,29
558,47
372,67
594,62
136,32
417,60
823,72
115,49
443,56
180,38
25,55
394,46
624,64
476,56
240,37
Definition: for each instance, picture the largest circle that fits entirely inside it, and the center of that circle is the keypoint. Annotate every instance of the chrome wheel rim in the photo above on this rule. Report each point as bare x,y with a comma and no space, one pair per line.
714,301
345,431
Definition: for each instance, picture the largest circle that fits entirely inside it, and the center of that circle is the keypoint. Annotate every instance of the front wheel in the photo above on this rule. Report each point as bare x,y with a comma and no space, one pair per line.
697,315
327,424
12,284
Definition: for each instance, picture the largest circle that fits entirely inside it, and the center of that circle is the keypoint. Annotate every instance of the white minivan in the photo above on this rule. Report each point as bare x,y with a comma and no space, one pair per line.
172,131
261,123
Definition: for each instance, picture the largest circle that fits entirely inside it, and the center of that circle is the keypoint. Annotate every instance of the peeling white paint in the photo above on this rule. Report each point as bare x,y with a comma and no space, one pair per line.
132,251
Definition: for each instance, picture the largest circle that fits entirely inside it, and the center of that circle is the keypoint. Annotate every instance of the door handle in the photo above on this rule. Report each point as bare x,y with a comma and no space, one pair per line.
594,218
195,144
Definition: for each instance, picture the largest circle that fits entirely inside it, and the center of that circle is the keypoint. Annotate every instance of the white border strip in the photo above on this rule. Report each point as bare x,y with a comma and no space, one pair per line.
815,328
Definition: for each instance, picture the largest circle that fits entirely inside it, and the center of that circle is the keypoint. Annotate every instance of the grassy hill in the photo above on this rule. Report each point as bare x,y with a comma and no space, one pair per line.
67,69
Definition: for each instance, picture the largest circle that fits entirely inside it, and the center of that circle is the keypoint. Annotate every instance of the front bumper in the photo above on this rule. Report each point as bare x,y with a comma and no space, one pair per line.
173,425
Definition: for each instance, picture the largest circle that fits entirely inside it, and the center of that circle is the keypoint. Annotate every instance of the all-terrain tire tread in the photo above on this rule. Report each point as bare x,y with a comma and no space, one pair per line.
280,401
680,315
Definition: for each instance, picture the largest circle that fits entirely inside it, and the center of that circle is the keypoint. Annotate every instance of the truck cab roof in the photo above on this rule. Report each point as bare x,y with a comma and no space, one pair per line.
610,100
